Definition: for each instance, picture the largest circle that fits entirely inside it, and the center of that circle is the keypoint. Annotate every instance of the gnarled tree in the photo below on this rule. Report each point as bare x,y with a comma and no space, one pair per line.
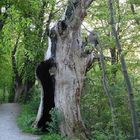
66,49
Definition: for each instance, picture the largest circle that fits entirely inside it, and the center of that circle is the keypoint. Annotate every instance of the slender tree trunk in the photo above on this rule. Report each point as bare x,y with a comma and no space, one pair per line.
18,92
4,93
17,79
107,90
113,63
65,47
125,73
27,86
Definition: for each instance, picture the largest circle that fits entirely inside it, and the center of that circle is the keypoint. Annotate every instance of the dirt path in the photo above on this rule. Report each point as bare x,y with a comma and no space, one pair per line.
8,126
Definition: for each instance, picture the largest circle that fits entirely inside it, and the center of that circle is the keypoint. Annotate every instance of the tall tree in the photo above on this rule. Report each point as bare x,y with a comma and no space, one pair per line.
125,73
17,78
66,49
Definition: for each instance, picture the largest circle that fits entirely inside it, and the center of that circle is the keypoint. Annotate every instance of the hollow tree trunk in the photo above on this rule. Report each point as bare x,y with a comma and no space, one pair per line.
71,68
65,47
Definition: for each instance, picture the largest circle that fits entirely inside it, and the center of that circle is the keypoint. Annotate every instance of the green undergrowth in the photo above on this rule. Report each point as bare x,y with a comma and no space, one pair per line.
96,110
25,122
28,114
27,117
52,136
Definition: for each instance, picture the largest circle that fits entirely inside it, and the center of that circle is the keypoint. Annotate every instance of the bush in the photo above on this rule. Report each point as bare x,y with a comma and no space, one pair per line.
53,126
96,110
26,119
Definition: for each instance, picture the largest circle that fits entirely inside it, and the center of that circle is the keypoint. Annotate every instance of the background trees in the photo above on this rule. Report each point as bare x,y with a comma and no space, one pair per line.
29,21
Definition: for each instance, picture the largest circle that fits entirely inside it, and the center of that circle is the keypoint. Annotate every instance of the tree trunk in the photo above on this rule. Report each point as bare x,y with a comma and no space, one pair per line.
4,93
17,79
113,63
70,74
18,91
125,74
65,47
27,86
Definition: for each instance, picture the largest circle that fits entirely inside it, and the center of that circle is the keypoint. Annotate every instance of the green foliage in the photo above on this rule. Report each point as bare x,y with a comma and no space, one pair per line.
24,18
51,137
96,110
29,110
26,119
28,8
53,126
137,2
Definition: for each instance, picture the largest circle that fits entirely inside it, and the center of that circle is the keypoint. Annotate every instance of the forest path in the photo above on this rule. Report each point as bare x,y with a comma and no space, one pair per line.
8,126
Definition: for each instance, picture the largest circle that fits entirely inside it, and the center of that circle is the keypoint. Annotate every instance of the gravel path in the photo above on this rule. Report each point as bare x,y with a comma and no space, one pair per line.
8,127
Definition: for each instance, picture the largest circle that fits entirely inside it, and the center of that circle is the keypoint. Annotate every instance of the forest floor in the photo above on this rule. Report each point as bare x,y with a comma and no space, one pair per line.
8,126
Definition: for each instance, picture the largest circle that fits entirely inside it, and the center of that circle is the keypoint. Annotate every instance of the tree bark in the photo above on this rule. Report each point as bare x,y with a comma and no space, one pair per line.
65,47
70,74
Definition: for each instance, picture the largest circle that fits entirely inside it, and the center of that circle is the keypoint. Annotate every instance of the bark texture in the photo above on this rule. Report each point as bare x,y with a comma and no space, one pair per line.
66,48
71,69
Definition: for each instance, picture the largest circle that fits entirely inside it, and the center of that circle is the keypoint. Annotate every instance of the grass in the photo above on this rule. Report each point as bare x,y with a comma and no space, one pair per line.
52,136
28,116
26,119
